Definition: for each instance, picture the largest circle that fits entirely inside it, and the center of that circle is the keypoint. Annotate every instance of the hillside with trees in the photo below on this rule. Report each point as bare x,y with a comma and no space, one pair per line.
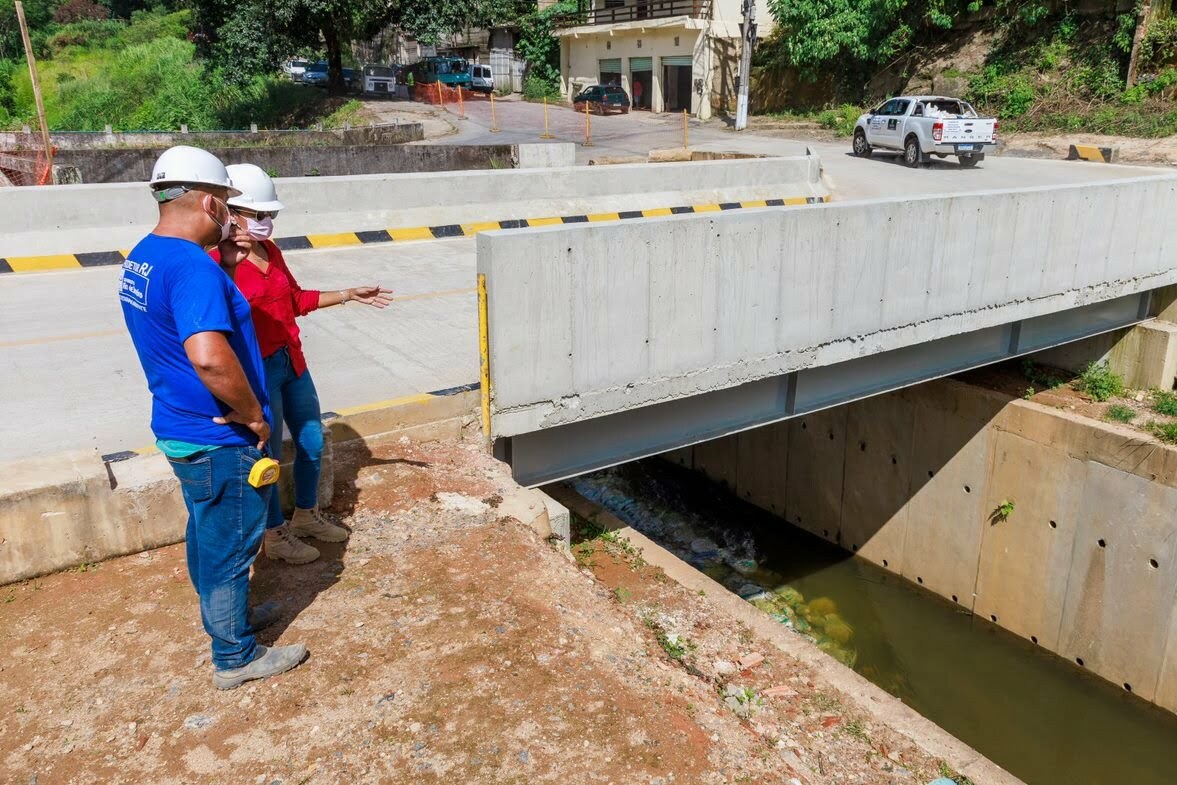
1107,67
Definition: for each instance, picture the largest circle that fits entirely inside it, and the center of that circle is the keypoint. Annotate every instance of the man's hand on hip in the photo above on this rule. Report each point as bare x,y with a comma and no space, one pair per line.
259,426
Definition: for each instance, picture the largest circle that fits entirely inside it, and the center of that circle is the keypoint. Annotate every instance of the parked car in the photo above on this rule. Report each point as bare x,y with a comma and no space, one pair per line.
602,98
921,126
379,80
316,74
481,79
295,68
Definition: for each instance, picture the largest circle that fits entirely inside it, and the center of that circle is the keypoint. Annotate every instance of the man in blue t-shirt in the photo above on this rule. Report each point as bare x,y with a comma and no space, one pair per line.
194,336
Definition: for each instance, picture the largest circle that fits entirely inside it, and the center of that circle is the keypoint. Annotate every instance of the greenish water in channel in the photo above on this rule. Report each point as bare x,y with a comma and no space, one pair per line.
1028,710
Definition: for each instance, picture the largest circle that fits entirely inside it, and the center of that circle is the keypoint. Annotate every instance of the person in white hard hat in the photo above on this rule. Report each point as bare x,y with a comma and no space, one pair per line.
195,339
277,299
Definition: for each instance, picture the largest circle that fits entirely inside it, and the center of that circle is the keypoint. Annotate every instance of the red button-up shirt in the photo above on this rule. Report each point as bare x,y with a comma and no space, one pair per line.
275,299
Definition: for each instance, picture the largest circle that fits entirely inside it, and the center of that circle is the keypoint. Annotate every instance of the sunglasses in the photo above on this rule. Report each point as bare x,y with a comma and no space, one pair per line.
260,216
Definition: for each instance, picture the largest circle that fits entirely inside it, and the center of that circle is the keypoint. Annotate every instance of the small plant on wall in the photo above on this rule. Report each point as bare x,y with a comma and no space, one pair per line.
1002,512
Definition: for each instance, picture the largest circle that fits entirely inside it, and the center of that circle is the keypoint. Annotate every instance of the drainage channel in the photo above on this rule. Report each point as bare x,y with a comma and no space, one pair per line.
1027,710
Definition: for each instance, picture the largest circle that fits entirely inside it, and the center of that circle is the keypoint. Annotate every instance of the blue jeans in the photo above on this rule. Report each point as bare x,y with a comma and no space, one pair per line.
293,400
226,519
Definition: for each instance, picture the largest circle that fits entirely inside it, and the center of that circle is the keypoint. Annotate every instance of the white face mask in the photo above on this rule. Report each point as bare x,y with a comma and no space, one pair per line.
260,230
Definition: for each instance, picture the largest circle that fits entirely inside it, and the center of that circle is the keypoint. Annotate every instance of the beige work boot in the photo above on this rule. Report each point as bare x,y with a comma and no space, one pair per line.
307,523
280,544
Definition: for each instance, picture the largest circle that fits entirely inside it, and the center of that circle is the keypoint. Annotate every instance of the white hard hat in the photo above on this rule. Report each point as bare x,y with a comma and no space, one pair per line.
182,165
257,189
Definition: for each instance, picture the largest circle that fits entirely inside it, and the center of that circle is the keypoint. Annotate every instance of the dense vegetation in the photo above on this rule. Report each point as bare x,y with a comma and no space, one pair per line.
1046,68
142,72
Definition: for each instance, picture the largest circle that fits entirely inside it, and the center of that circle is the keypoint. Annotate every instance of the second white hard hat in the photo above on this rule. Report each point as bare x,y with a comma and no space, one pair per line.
183,165
257,189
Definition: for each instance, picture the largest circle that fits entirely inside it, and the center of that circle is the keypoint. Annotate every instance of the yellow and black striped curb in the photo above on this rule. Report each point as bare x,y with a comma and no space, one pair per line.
1090,152
123,455
73,261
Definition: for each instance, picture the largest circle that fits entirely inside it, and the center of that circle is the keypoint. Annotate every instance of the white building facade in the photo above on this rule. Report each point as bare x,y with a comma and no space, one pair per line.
668,55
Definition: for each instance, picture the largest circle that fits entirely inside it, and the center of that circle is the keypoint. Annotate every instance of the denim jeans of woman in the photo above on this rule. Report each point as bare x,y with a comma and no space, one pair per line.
295,404
226,519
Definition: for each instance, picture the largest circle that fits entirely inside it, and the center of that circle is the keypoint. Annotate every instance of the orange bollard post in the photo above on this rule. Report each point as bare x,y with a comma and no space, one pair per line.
440,97
546,134
494,120
461,104
685,138
588,126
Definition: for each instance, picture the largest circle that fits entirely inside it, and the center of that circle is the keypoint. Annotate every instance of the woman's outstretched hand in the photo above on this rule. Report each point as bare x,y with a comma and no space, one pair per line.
375,296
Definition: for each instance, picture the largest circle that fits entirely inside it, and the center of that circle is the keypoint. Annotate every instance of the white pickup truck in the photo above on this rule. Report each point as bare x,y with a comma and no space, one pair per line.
921,126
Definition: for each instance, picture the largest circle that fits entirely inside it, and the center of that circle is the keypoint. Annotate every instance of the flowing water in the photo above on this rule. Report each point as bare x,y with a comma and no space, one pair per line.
1029,711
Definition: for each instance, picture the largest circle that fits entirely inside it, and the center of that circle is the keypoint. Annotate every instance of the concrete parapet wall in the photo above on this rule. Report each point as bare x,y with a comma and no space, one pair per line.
398,133
71,509
590,321
105,217
1084,566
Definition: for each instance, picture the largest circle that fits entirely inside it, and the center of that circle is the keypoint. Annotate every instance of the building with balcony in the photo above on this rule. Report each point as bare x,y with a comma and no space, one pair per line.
669,55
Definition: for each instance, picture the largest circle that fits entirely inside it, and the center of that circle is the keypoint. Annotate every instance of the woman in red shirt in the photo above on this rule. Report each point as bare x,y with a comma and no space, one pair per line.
276,299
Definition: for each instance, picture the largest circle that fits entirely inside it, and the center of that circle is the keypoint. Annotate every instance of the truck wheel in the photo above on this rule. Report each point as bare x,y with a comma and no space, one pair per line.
862,147
969,161
911,152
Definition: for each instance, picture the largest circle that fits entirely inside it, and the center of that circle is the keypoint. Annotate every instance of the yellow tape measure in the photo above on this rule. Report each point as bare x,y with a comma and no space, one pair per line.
264,472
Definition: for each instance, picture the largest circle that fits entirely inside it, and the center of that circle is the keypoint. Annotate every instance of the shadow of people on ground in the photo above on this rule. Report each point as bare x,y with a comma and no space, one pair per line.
297,586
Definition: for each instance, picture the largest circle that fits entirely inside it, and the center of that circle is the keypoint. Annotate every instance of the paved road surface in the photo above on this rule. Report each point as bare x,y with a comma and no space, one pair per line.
71,379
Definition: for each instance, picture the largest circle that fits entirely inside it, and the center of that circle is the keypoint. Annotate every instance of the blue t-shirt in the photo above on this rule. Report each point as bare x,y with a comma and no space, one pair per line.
170,290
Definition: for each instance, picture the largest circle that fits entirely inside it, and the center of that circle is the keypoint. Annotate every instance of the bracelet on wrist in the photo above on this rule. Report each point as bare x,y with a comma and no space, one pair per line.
344,296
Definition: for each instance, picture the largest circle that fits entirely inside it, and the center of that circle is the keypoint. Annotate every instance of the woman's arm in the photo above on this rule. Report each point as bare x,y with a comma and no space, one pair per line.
376,296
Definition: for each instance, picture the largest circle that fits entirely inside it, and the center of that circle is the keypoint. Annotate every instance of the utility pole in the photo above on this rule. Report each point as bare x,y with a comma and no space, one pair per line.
24,34
749,30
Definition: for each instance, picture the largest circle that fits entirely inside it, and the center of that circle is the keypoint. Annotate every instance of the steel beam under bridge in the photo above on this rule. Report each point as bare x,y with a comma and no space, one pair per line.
608,344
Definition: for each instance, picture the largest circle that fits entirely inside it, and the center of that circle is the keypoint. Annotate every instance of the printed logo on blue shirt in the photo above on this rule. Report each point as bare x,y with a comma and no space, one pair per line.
134,283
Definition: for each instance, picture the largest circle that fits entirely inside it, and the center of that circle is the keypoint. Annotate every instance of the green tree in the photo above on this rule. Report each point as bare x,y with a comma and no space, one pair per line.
38,14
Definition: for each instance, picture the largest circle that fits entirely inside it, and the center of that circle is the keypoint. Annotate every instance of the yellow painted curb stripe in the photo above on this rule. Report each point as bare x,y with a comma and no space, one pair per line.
657,212
601,217
483,226
333,240
416,233
545,221
754,204
796,200
28,264
368,407
708,208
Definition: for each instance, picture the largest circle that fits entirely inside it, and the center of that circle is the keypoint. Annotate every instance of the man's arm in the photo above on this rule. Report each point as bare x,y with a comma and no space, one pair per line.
221,372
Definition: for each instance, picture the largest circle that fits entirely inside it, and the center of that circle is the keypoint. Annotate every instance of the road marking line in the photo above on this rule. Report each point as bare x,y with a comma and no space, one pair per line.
482,226
753,205
657,212
600,217
707,208
545,221
56,338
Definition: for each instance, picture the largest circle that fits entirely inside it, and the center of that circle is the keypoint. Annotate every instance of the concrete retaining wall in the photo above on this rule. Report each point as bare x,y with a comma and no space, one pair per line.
398,133
104,217
1086,564
70,509
130,165
589,321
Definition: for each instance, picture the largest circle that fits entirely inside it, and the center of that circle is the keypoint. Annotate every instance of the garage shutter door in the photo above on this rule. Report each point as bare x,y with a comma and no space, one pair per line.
612,66
677,60
641,63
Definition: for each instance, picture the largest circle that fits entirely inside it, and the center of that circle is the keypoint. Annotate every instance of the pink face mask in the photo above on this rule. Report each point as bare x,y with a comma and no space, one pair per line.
260,230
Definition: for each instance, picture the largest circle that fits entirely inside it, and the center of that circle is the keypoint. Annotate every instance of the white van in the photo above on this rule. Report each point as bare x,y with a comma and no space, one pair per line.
481,78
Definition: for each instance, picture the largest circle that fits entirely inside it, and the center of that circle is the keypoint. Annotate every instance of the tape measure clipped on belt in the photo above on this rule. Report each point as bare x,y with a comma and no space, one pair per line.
264,472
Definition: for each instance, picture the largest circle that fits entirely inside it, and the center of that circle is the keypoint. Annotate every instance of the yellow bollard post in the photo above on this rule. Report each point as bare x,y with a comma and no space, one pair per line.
440,97
494,121
546,134
685,138
461,104
588,126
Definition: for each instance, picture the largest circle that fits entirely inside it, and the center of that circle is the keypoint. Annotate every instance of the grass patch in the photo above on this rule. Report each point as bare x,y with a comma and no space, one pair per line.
1118,412
676,647
1041,377
1165,402
1166,432
1100,382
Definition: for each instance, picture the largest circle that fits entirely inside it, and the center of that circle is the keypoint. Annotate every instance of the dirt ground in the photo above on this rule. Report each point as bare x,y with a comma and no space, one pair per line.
447,645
